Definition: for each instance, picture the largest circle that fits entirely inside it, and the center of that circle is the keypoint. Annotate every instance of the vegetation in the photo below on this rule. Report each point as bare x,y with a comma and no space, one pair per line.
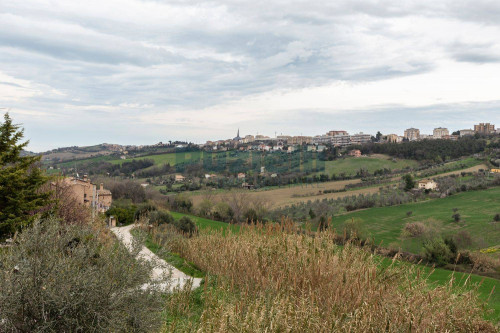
385,224
434,150
268,278
22,198
69,278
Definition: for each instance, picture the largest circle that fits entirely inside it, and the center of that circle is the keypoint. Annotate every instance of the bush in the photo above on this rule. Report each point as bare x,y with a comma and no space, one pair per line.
415,229
160,217
182,203
354,230
123,212
62,278
436,251
250,215
143,211
223,212
456,217
186,225
496,218
463,239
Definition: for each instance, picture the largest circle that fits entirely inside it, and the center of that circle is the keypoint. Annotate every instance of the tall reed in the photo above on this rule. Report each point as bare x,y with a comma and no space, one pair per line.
287,281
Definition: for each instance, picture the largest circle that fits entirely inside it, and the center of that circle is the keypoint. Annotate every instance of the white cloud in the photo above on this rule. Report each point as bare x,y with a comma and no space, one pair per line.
189,66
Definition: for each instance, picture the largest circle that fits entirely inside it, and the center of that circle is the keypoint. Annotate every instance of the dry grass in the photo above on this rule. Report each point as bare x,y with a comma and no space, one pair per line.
272,279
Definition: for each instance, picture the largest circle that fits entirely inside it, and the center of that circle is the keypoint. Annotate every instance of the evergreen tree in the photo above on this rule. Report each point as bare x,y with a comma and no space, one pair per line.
21,198
409,182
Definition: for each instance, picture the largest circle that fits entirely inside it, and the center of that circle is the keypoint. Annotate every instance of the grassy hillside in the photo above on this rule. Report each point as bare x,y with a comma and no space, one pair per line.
170,158
203,223
476,208
351,165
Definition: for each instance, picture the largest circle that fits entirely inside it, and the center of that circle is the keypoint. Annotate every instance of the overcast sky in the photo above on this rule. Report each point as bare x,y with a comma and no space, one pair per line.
139,72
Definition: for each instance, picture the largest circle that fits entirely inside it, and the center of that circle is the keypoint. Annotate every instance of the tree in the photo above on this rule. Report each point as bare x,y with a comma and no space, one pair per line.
409,182
378,136
21,196
312,215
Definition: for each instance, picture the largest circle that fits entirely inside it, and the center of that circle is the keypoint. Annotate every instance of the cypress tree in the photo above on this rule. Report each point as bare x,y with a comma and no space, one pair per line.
21,196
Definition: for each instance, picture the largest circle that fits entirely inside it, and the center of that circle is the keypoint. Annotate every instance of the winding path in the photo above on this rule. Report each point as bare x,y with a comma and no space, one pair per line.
161,268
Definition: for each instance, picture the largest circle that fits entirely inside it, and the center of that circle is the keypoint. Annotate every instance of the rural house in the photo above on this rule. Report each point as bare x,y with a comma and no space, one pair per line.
427,184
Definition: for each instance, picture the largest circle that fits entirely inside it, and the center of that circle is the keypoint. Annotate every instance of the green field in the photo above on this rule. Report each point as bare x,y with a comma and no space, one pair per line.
203,223
170,158
351,165
476,208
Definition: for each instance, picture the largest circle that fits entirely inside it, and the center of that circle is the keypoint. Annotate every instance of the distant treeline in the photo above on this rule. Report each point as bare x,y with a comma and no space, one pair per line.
434,150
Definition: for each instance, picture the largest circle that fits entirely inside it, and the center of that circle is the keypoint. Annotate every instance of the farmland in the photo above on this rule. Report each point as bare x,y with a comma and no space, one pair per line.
351,165
476,208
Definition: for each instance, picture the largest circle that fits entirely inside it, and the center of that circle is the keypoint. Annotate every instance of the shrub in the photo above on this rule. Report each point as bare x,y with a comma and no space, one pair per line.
415,229
223,212
482,262
456,217
123,211
436,251
496,218
354,229
250,215
61,278
186,225
160,217
409,213
182,203
463,239
143,211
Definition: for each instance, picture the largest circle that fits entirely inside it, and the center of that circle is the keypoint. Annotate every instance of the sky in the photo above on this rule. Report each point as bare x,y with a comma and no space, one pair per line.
140,72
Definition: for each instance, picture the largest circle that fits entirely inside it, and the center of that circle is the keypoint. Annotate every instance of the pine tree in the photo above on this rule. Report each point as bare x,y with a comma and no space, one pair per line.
21,197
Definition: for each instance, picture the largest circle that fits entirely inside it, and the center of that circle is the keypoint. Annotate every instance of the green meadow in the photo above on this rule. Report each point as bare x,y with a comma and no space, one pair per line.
476,208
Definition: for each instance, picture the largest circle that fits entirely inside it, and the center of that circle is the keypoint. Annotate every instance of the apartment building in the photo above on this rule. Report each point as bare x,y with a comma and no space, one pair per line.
412,134
334,133
466,132
440,132
360,138
298,140
484,128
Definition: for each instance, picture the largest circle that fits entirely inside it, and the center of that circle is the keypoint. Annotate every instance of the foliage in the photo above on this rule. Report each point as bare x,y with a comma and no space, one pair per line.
160,217
185,225
123,211
223,212
61,278
409,182
126,189
181,202
433,150
496,218
21,180
143,210
437,251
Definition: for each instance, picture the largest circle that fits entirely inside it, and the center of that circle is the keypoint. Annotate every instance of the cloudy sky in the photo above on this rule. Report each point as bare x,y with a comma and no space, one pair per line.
139,72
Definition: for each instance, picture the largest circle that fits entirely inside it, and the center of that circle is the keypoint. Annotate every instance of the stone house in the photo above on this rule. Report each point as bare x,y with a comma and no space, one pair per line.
84,192
427,184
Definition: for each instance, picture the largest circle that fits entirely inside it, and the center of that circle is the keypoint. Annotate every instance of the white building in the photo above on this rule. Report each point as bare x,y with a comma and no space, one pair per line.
427,184
440,132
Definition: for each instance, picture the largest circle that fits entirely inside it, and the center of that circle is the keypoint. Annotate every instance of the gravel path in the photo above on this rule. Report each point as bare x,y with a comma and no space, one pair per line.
161,267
